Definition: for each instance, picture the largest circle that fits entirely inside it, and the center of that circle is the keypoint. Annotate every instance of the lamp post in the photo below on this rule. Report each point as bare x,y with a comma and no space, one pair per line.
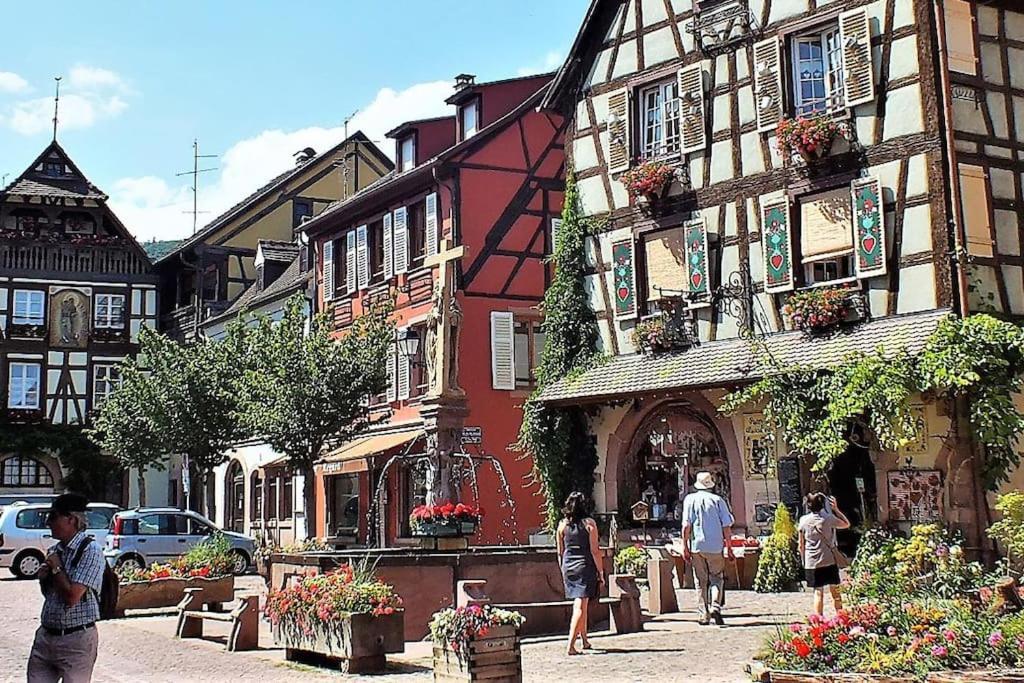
408,341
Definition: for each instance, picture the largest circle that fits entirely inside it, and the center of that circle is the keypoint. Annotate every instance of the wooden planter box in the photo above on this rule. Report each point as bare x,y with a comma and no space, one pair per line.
359,644
1000,676
439,530
772,676
169,592
495,658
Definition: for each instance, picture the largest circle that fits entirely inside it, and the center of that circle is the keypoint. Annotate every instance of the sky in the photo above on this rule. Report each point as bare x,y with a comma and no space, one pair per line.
253,81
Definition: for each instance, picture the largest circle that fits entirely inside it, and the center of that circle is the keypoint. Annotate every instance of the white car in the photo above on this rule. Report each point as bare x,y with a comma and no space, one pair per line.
25,537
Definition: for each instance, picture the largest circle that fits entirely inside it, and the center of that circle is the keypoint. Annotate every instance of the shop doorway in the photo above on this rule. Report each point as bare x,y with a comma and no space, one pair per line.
343,505
852,481
235,484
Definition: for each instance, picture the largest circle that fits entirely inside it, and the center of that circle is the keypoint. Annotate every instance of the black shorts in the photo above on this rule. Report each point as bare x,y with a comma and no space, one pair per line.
822,576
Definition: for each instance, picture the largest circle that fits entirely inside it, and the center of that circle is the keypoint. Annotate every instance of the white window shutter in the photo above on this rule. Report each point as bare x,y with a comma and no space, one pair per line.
433,223
618,132
392,379
503,366
401,240
556,227
389,252
404,377
858,73
768,83
350,261
362,258
328,270
691,108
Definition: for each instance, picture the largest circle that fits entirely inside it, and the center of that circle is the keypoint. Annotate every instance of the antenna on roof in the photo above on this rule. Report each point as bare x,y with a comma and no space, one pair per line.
56,106
196,156
350,117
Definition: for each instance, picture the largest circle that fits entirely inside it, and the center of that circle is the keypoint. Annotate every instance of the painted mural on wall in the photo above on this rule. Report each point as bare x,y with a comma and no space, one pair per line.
915,495
69,318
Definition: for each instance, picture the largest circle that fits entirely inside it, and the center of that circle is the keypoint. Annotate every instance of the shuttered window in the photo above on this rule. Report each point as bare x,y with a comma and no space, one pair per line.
392,391
618,131
503,374
659,120
351,284
665,253
401,240
328,267
362,258
817,67
389,251
826,237
858,72
963,56
768,84
691,108
974,199
431,223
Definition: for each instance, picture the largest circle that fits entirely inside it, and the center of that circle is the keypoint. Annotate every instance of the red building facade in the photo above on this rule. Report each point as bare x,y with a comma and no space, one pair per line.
457,236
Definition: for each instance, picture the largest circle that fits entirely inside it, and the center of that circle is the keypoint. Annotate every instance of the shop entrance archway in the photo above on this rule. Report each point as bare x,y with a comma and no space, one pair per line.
234,484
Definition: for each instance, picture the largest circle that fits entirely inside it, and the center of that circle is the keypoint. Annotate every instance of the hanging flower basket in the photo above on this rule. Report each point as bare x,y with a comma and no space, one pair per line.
445,520
811,138
817,310
649,181
657,334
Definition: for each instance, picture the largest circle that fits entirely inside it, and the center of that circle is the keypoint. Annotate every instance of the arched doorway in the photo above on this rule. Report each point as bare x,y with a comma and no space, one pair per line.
234,485
667,451
851,479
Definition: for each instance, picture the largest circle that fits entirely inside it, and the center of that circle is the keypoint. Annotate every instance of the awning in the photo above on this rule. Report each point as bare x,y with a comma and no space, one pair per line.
351,457
732,361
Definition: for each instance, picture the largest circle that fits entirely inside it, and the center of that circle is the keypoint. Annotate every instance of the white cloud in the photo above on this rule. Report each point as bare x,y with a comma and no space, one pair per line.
12,82
551,61
91,94
153,208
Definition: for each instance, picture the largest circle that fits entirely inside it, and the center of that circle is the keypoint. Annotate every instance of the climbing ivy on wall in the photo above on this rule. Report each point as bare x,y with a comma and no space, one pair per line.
979,359
558,438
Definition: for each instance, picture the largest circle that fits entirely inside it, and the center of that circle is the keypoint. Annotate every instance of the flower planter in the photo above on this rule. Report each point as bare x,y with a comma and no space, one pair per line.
170,591
495,658
444,529
772,676
359,643
1000,676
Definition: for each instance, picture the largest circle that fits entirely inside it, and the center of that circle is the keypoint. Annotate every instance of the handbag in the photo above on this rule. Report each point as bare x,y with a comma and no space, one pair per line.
841,560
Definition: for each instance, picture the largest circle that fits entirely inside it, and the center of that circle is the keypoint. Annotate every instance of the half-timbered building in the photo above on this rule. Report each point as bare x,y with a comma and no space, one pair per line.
75,289
910,212
457,235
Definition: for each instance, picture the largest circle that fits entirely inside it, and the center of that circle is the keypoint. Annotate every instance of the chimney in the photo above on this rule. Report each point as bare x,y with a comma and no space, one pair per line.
304,155
463,81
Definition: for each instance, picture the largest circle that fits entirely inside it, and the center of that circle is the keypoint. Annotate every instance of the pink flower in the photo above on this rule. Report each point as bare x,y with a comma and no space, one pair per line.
795,628
939,651
995,638
857,631
891,630
949,634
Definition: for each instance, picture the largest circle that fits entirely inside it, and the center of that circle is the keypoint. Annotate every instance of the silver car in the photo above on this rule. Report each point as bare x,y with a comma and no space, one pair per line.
25,536
142,536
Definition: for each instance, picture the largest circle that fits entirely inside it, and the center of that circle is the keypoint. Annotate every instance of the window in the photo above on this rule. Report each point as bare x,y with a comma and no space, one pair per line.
109,311
826,239
106,378
21,470
414,490
300,209
406,153
817,72
163,525
659,119
273,493
29,305
419,380
257,497
529,342
98,518
287,493
343,510
32,519
53,169
665,266
198,527
470,119
211,282
23,386
417,232
375,236
339,256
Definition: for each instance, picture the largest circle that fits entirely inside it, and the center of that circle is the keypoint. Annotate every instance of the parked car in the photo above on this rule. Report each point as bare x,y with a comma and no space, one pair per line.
142,536
9,499
25,536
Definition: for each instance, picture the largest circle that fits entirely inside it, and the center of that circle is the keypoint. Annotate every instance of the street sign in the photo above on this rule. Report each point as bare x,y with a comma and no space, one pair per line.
472,435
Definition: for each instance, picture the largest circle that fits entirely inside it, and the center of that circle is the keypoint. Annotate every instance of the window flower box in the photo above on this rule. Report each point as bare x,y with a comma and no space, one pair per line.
810,138
444,520
110,334
660,333
476,643
648,182
824,308
26,331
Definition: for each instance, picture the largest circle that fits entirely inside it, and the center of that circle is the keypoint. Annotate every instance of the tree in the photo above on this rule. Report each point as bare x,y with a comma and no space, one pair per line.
558,438
303,390
126,425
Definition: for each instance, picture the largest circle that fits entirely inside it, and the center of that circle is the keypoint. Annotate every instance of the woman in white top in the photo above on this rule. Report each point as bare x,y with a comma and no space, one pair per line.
817,548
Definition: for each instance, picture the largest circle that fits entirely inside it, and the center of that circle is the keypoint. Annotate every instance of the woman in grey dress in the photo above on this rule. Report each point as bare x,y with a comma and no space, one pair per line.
579,554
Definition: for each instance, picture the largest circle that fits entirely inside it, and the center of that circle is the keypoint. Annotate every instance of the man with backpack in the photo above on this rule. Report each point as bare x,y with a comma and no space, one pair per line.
71,580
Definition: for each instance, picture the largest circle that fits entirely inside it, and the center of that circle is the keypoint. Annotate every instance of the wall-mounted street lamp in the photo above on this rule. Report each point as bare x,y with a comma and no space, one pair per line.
408,341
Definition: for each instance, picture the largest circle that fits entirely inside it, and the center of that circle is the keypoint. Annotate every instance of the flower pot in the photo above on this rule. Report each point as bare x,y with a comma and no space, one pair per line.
495,658
356,643
170,591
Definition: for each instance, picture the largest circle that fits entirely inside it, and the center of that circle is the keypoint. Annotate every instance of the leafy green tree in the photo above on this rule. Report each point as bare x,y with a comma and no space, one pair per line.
558,438
302,390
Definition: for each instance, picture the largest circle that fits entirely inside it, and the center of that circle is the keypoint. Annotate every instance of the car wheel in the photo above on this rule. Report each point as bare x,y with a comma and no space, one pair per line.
26,565
130,563
239,562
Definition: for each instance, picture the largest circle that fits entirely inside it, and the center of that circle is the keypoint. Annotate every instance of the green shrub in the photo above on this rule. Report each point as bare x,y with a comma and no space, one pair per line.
632,560
778,568
1009,531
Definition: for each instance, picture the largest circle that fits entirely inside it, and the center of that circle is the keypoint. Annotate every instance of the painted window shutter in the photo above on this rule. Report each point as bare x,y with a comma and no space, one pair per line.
974,201
392,379
698,275
960,37
624,278
691,108
556,227
855,38
432,223
503,366
404,376
401,240
618,133
777,246
350,261
328,270
389,260
362,258
768,83
868,212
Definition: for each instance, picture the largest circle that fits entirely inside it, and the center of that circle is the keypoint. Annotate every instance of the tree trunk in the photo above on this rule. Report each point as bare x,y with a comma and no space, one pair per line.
309,500
203,476
141,473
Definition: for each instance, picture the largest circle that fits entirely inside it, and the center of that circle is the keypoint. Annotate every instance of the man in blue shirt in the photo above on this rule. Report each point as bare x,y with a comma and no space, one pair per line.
66,641
707,528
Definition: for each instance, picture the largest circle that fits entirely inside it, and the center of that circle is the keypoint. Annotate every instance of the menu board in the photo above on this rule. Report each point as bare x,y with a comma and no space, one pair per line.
915,495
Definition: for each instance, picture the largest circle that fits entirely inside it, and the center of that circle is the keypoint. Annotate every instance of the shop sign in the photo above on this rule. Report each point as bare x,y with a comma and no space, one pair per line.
472,435
758,447
915,495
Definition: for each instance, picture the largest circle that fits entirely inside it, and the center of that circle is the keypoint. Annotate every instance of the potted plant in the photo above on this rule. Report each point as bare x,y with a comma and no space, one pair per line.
632,560
445,519
778,567
347,615
821,308
648,181
811,138
476,643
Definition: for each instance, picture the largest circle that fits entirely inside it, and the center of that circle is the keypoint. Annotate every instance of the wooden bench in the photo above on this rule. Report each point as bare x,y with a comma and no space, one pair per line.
244,619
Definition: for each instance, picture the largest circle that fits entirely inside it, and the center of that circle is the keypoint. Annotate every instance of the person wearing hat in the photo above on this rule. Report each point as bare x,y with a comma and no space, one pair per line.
707,527
71,579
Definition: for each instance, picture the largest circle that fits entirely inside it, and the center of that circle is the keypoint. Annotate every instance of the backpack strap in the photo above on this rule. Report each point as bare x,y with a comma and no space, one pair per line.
81,550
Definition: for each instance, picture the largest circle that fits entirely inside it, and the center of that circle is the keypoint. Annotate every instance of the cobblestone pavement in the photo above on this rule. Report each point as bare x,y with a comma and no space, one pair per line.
671,648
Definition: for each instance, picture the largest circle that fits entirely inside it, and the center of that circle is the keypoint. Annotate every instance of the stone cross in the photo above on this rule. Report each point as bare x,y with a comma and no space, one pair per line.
444,325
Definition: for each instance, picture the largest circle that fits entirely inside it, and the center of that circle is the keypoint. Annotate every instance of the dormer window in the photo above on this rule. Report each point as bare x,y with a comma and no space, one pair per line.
469,119
406,153
53,169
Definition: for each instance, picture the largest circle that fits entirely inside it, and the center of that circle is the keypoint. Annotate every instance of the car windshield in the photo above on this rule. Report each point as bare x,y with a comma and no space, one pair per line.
99,518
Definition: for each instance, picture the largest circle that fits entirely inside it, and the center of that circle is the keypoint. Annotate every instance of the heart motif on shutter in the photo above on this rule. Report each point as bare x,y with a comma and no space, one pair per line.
776,260
695,279
869,242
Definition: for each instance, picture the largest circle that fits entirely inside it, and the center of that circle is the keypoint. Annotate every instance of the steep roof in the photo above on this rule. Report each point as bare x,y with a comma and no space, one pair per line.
37,183
599,13
290,281
267,189
276,250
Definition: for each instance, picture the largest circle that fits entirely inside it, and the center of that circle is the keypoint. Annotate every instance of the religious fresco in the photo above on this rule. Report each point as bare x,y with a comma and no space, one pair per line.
69,318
